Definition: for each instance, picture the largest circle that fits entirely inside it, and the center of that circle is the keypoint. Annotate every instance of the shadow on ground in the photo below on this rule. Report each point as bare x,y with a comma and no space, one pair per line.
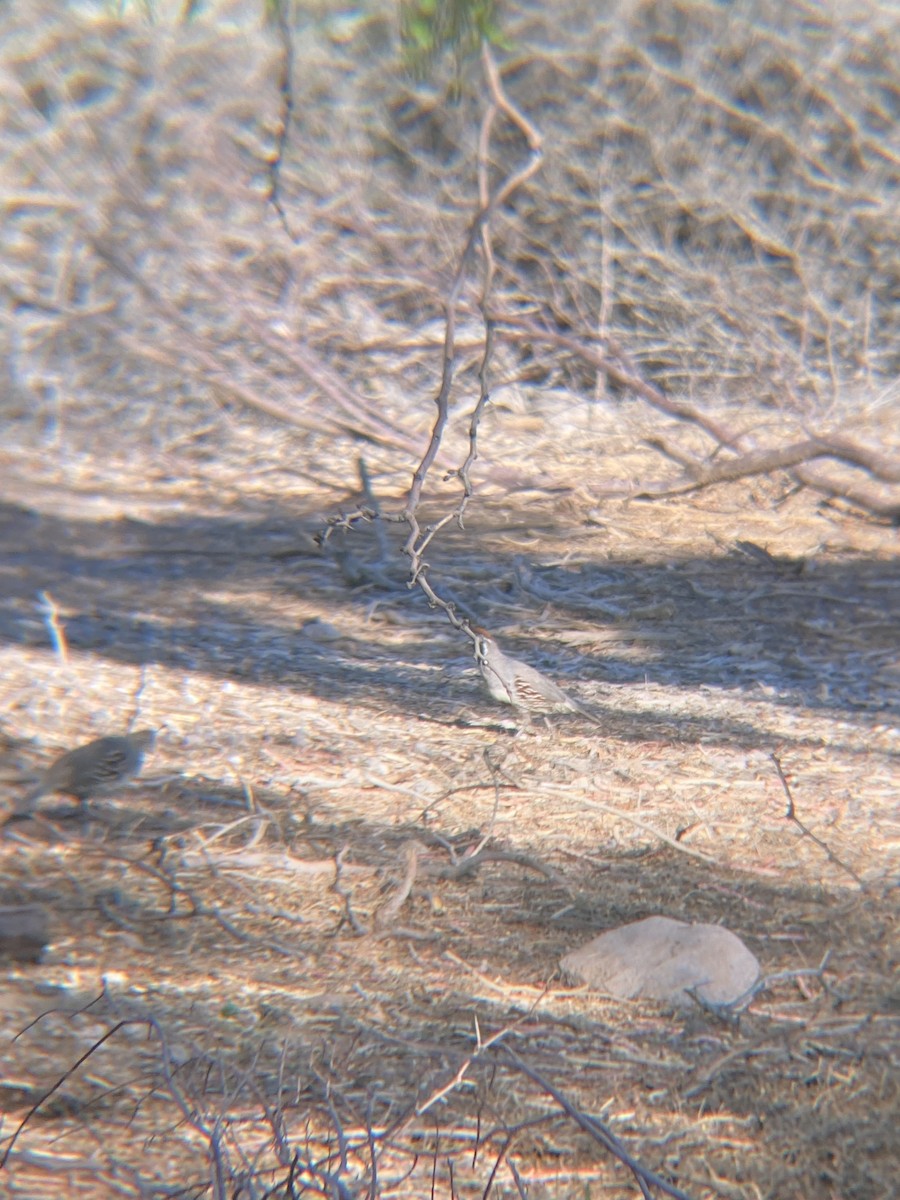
214,595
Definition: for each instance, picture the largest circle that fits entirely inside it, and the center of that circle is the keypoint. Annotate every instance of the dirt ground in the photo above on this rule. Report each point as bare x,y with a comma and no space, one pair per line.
236,998
204,898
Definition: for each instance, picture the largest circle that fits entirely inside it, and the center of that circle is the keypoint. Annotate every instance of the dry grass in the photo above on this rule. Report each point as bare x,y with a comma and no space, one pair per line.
266,1006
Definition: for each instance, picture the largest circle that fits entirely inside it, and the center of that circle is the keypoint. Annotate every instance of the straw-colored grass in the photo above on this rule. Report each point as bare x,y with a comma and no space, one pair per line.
235,907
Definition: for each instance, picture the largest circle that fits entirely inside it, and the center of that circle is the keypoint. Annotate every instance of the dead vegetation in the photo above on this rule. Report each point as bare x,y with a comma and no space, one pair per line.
313,950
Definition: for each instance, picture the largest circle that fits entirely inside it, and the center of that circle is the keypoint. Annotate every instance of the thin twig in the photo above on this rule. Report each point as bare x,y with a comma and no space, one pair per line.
371,499
791,815
286,91
639,823
55,626
338,887
598,1130
386,914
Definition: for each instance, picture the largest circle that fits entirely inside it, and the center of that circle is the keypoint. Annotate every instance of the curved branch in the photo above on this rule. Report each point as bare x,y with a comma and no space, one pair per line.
748,462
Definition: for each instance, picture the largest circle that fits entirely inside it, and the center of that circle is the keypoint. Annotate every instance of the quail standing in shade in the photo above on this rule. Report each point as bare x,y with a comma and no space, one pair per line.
514,682
97,769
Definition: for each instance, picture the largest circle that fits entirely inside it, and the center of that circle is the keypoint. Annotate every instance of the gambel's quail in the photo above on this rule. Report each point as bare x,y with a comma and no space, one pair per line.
513,682
97,769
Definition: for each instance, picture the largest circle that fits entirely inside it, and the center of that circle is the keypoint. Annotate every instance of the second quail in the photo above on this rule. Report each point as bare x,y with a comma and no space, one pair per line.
97,769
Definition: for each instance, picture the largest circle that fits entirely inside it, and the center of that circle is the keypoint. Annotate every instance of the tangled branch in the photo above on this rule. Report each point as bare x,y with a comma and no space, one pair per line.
419,538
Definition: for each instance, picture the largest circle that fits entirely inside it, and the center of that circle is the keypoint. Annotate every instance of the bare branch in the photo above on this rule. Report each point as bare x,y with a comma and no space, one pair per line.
749,461
479,232
791,815
600,1132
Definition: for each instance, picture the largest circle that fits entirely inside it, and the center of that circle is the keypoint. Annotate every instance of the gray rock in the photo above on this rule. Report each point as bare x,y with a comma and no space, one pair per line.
660,959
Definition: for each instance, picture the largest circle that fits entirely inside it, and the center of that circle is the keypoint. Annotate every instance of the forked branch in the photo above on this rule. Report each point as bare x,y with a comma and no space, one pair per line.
419,538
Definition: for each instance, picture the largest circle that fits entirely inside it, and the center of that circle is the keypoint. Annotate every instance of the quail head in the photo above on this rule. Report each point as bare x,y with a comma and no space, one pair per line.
96,769
511,681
